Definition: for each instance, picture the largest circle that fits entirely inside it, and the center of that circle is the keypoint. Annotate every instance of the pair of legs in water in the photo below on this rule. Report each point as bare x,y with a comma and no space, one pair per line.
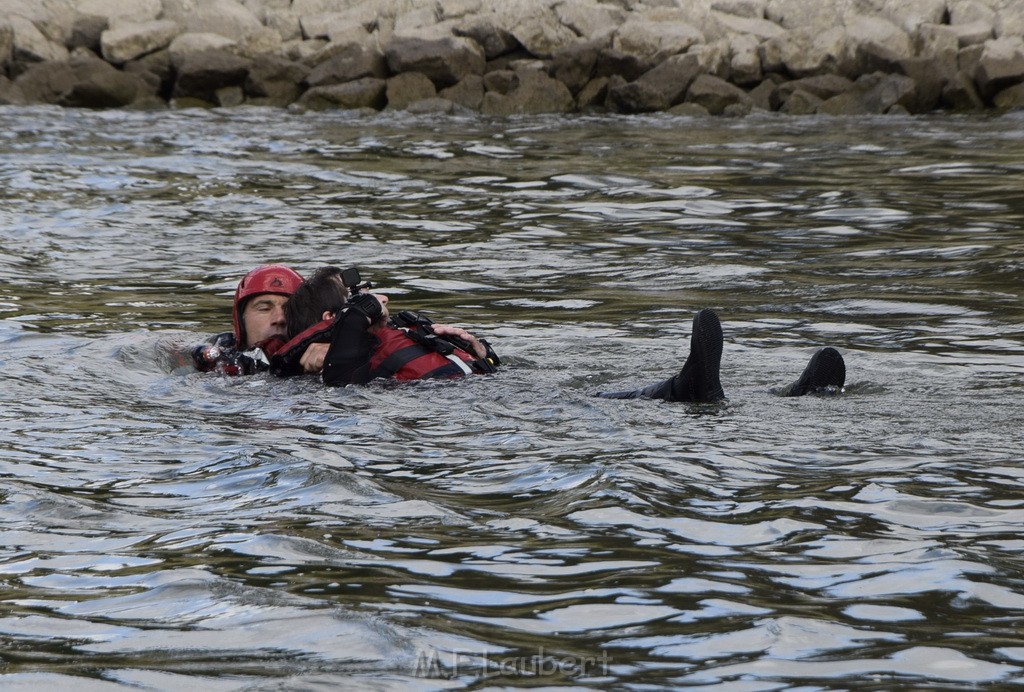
699,380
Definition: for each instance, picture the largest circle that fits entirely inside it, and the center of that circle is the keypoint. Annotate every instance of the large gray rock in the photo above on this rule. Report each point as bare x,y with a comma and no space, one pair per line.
1011,98
154,71
574,65
85,83
804,52
52,18
822,87
796,14
274,80
99,85
115,11
535,92
200,75
1001,65
10,93
612,63
368,92
653,41
351,61
29,45
1010,21
753,9
745,62
871,95
590,21
716,95
493,38
468,93
444,59
878,44
658,89
188,44
961,94
722,25
128,40
801,102
542,33
227,18
6,46
408,88
910,14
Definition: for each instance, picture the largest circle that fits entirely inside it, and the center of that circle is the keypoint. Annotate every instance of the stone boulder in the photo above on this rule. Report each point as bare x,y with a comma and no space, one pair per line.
822,87
189,44
1011,98
910,14
6,46
658,89
540,31
349,62
651,42
878,44
129,40
872,95
99,85
82,82
574,65
114,11
495,40
408,88
444,59
29,45
534,92
274,81
10,93
468,93
201,75
368,92
797,14
723,25
745,61
801,102
588,20
805,52
226,18
1001,65
52,18
612,63
716,95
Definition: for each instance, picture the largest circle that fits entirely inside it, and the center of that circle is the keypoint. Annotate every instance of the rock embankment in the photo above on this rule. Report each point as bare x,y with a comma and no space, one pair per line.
505,57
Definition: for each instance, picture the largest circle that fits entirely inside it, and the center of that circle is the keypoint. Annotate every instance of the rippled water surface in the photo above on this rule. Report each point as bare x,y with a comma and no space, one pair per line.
164,529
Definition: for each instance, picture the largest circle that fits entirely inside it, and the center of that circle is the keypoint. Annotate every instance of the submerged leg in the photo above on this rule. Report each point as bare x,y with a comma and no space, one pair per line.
699,380
826,369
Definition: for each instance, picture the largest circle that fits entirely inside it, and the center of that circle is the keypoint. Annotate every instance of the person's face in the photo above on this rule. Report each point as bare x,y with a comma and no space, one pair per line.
263,318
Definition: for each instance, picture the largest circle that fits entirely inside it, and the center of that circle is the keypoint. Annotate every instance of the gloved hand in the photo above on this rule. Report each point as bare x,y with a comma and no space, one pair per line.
368,305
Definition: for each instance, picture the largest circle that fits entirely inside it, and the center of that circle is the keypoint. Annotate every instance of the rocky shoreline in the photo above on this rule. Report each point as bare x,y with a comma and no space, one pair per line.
695,57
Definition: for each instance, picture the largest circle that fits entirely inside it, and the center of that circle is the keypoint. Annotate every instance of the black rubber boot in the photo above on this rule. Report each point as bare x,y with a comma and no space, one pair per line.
699,380
826,370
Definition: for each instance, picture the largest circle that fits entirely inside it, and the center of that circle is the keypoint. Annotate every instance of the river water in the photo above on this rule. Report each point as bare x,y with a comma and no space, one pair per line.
165,529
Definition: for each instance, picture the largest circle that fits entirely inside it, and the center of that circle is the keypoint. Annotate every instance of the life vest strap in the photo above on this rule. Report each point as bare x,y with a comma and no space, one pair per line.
394,362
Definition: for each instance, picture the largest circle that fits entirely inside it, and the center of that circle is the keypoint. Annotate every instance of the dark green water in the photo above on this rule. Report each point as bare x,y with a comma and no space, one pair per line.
166,530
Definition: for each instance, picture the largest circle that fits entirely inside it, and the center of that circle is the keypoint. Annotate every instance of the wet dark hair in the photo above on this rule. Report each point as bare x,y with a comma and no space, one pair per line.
323,291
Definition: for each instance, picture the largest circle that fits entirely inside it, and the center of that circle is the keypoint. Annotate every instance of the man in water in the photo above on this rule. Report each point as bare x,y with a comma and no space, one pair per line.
346,333
259,324
358,342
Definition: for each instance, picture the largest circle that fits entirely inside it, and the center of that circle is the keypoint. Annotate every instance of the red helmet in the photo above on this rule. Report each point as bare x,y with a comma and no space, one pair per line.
270,278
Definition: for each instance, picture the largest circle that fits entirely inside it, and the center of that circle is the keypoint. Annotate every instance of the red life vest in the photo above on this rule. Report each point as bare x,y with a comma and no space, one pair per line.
402,357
